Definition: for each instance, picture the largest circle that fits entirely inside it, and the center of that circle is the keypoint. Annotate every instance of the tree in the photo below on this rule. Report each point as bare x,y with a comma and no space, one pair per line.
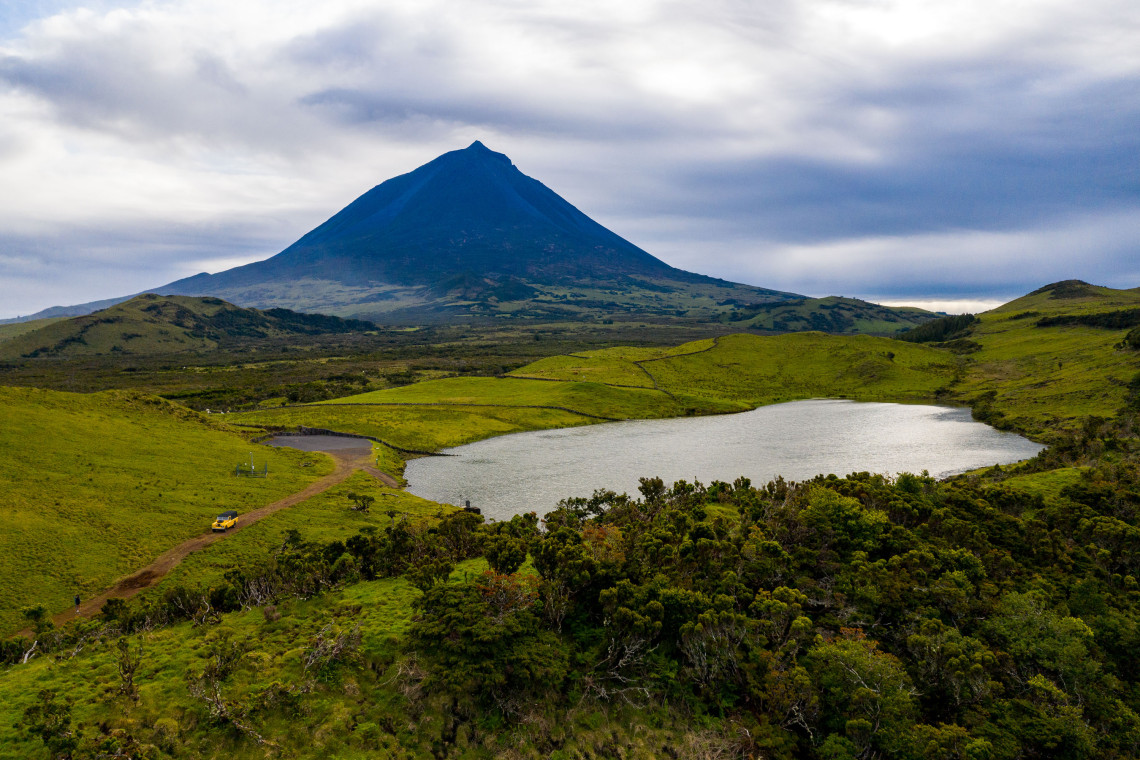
49,719
361,502
866,696
505,553
128,663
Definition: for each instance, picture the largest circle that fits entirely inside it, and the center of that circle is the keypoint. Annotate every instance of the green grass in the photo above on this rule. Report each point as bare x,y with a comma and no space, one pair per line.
612,366
589,398
752,370
324,518
96,486
420,428
16,329
1048,484
1050,377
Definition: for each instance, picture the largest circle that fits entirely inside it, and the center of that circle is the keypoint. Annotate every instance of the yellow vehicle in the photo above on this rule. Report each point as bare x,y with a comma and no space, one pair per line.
225,521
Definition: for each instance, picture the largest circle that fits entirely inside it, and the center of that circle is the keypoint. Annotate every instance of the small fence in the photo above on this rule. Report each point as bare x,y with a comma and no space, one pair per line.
249,471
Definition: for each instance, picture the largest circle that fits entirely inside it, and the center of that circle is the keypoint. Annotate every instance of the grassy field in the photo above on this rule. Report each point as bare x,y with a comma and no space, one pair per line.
753,370
588,398
1051,377
96,486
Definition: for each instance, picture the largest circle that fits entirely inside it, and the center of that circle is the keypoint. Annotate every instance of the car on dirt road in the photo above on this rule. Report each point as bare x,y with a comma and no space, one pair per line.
225,521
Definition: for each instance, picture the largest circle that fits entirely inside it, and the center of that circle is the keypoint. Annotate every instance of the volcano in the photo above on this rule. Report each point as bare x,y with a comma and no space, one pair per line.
466,234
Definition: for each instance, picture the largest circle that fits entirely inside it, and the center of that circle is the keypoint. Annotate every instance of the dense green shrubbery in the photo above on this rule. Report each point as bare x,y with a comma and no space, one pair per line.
852,617
941,329
1121,319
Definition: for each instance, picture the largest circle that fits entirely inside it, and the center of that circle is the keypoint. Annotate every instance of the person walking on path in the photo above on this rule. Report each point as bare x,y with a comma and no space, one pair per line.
77,602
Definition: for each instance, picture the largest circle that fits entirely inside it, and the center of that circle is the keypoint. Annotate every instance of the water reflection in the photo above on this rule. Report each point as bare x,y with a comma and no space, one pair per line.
533,471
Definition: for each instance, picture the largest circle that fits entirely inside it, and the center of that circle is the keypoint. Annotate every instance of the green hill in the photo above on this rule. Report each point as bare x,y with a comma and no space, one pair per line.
834,314
16,329
1051,359
97,485
153,324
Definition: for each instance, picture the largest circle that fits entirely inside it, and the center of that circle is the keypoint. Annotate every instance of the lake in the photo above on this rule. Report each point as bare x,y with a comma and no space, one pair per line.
533,471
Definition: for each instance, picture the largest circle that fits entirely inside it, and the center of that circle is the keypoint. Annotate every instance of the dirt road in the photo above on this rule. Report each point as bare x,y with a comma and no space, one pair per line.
348,461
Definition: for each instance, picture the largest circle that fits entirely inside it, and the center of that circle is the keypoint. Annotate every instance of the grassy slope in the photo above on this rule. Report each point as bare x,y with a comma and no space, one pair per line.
1050,377
126,326
153,324
420,428
98,485
323,518
590,398
758,370
16,329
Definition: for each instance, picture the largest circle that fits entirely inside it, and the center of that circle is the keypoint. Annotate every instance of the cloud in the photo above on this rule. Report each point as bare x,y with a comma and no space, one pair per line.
774,142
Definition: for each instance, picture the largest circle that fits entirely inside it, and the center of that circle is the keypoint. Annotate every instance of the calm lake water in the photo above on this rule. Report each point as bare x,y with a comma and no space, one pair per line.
533,471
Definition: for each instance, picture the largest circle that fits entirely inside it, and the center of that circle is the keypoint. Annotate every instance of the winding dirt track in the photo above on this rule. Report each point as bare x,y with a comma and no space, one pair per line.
348,461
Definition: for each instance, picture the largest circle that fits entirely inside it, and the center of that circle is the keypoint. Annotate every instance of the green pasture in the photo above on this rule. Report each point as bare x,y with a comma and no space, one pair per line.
421,428
753,370
96,486
1051,377
1049,484
764,370
612,366
588,398
16,329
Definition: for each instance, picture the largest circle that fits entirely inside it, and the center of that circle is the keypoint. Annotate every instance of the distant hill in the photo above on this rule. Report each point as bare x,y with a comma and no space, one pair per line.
14,329
153,324
1049,359
834,314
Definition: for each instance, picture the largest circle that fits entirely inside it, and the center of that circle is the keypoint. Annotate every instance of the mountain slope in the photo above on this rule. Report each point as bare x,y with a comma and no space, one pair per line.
468,234
468,237
152,324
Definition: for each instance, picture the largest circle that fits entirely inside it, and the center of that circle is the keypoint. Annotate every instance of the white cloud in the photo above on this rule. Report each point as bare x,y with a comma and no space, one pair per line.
125,124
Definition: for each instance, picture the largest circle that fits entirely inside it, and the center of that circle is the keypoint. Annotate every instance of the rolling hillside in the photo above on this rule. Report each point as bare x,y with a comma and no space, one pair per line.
153,324
1052,358
97,485
834,315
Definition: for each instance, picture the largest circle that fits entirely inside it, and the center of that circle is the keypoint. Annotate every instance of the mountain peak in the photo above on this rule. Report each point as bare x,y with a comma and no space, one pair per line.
478,149
469,216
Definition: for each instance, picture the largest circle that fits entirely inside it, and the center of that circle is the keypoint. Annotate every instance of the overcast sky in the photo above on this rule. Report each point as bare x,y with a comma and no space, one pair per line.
893,150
